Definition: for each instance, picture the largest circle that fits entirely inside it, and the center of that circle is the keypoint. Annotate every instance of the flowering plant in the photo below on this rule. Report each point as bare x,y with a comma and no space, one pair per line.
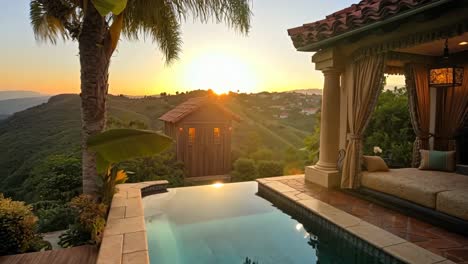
377,150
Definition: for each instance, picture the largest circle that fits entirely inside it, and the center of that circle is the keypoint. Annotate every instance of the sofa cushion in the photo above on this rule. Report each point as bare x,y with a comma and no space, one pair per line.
374,163
454,203
437,160
417,186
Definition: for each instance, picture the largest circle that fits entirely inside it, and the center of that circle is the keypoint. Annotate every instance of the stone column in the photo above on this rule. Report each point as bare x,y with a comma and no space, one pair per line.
330,121
325,172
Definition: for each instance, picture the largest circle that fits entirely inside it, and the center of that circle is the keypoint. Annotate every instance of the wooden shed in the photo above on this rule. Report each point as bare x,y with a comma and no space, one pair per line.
202,130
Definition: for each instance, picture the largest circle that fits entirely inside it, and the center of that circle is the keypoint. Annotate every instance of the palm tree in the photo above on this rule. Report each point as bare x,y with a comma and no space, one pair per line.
97,25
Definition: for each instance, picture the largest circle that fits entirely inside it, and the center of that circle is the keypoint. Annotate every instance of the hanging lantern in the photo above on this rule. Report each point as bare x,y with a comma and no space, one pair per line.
446,75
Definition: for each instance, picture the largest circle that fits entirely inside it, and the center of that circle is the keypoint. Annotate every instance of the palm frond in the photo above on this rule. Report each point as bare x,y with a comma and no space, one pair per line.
45,27
54,19
160,19
156,19
234,13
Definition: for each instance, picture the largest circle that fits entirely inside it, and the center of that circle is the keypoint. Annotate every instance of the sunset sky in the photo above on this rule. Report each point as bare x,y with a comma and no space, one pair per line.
213,56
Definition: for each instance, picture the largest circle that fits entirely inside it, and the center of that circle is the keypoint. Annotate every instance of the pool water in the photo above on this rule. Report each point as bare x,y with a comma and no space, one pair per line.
230,224
222,224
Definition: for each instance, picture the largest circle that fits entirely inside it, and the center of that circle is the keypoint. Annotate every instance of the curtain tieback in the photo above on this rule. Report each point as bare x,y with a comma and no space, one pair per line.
426,137
354,137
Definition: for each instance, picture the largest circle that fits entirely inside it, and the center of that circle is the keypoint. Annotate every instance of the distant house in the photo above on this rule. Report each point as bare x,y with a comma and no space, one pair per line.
283,115
277,107
202,130
309,111
263,95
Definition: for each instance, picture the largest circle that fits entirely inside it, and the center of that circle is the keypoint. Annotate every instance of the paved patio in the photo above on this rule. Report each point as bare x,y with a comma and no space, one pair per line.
439,241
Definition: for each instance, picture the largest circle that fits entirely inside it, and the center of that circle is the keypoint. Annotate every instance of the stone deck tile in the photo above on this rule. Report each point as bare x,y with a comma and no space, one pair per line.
125,232
374,235
440,242
139,257
336,216
412,253
134,207
111,250
117,213
133,193
292,195
119,201
125,225
280,187
135,242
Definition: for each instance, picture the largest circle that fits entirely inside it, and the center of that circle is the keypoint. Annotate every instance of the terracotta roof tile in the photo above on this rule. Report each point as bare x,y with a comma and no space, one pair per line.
190,106
357,15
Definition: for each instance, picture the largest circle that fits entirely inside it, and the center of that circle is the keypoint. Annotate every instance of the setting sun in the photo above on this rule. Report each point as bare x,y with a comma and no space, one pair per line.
221,73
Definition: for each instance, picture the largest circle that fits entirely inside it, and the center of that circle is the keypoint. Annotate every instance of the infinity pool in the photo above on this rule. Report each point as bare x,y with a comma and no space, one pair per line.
230,224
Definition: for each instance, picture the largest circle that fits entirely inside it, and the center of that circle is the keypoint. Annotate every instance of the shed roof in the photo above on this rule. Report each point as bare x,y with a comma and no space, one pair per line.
190,106
355,17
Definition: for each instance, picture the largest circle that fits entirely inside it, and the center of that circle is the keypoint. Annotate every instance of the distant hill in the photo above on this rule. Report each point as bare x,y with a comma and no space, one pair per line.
14,94
10,106
54,127
308,91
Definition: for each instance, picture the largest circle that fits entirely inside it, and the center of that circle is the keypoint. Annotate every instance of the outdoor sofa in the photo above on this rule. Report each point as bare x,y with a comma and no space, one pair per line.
437,197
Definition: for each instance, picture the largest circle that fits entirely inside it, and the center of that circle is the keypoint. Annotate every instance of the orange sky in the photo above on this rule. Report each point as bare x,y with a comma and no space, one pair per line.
213,56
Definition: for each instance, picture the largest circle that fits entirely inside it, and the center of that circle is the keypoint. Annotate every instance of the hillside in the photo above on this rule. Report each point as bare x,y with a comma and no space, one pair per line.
15,94
54,127
10,106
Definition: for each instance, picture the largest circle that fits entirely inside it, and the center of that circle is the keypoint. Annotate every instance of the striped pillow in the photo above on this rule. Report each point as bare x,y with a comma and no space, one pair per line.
437,160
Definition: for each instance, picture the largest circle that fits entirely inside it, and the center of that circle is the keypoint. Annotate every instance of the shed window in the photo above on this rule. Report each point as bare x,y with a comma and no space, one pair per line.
191,135
216,135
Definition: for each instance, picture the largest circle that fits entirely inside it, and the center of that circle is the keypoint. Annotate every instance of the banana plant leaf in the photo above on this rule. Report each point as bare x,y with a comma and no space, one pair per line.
104,7
117,145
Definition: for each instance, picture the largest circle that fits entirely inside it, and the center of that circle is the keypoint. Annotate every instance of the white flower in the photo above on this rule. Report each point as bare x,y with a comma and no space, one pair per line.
377,150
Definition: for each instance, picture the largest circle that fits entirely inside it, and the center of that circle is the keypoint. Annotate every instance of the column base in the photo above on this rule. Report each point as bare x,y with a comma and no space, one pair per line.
325,178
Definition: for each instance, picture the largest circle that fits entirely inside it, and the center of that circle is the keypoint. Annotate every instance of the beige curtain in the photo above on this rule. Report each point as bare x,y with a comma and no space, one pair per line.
452,106
363,93
417,84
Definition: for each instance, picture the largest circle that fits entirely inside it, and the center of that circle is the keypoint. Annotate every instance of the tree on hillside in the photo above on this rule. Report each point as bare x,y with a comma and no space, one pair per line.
312,142
97,24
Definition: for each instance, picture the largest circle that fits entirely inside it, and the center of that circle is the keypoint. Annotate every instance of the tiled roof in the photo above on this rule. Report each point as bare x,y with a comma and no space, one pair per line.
357,15
190,106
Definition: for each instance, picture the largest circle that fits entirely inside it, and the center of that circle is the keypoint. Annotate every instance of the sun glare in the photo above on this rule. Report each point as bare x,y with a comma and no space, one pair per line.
217,185
221,73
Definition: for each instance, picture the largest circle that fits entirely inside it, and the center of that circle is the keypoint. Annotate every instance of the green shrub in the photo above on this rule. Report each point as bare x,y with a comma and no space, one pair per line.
39,244
17,228
45,205
89,223
56,218
267,168
262,154
244,170
58,177
162,166
74,237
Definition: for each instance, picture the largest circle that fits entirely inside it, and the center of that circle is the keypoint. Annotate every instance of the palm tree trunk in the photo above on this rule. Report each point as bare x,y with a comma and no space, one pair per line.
94,60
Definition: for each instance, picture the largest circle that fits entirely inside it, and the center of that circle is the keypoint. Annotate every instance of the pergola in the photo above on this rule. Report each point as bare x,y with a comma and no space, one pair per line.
355,48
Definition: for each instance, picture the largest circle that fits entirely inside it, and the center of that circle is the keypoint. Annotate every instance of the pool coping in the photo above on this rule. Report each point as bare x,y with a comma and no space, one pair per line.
391,244
124,240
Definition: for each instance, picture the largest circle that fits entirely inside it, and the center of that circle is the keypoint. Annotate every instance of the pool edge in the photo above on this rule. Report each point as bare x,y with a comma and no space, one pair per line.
125,239
381,239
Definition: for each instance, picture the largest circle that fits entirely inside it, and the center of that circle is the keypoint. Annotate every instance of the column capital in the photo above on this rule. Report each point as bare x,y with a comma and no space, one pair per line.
331,71
327,58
